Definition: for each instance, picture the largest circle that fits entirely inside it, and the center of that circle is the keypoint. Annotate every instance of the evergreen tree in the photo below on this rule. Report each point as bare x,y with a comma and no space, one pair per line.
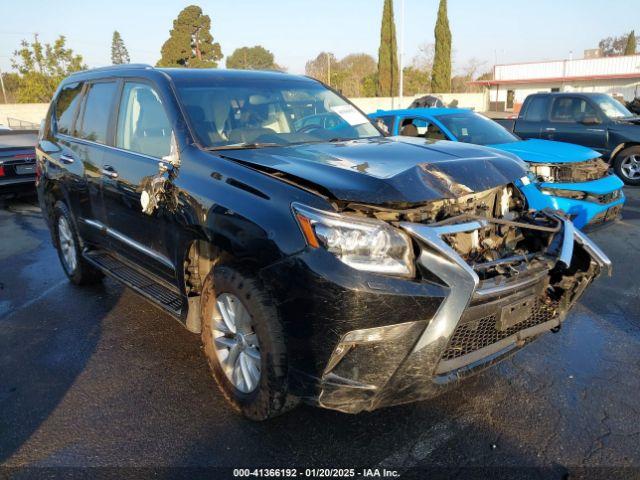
388,54
119,53
630,49
441,73
252,58
190,43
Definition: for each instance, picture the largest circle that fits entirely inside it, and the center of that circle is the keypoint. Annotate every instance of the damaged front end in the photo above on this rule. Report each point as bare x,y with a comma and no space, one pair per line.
508,274
586,191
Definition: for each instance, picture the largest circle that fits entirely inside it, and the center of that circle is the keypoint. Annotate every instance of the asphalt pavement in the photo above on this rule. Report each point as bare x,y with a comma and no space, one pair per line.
97,377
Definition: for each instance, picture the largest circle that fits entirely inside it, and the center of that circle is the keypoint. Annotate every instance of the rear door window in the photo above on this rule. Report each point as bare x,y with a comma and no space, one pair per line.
66,107
98,104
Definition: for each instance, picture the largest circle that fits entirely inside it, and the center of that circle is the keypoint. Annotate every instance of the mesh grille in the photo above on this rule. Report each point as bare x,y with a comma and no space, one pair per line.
477,334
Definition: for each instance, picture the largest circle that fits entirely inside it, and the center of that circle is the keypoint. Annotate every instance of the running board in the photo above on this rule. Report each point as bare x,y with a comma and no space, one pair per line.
142,283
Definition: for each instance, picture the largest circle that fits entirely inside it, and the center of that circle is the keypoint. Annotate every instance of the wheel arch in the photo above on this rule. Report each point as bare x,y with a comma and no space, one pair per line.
52,194
199,256
622,146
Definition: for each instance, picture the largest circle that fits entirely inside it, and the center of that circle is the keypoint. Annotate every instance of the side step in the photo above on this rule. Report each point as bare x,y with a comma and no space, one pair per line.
139,281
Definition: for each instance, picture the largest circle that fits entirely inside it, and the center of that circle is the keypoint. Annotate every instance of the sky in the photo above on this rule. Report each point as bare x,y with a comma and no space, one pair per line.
297,30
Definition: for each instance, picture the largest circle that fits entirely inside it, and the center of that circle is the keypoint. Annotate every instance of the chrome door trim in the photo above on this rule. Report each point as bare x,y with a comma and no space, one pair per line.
129,241
110,147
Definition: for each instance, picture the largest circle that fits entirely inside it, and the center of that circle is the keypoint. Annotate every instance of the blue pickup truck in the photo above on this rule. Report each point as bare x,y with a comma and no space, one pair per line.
574,178
594,120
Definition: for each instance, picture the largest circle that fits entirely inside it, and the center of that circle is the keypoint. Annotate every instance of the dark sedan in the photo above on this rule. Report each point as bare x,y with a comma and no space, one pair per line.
17,161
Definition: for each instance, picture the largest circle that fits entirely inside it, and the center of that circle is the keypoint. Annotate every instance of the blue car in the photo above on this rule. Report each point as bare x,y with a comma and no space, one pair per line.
572,178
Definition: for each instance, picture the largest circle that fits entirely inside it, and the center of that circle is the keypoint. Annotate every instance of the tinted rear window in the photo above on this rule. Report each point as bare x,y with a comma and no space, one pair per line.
66,106
96,112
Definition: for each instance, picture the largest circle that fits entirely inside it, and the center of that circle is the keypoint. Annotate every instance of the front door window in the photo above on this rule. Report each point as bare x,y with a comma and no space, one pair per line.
143,126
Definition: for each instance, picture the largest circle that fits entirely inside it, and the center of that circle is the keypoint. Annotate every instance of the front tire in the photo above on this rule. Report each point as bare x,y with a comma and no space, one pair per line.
244,343
627,165
77,269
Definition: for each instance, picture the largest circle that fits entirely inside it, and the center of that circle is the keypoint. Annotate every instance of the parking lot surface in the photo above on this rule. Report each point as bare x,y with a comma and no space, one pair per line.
98,377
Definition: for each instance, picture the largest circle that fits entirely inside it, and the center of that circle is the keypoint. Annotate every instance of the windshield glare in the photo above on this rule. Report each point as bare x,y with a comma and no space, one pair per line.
476,129
611,107
264,113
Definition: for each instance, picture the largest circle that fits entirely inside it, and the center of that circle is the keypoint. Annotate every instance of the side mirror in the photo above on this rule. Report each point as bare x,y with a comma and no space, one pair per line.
173,158
157,189
590,120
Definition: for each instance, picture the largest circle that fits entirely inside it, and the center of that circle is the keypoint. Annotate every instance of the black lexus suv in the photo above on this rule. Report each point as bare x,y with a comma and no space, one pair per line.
319,260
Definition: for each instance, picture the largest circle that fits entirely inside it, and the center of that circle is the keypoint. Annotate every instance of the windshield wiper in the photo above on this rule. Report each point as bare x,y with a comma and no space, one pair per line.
243,145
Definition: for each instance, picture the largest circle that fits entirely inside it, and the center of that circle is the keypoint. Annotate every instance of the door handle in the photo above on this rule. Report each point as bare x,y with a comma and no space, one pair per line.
64,158
549,129
108,171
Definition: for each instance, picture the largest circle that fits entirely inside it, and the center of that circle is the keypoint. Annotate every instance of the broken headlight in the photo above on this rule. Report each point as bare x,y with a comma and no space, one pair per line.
362,243
543,173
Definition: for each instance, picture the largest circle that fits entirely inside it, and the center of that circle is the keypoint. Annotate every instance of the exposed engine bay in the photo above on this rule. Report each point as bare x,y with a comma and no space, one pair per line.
571,172
511,235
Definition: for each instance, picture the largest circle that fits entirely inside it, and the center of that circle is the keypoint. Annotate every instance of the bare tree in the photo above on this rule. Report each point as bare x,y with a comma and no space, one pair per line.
424,59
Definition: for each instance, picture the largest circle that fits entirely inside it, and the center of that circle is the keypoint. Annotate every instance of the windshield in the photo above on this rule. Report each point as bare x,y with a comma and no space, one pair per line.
255,113
477,129
611,107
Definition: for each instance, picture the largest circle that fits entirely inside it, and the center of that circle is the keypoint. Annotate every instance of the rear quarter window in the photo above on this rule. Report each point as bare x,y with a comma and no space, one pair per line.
66,106
96,112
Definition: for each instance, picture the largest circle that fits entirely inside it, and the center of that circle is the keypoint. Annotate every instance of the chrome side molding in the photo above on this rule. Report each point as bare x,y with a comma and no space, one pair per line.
129,241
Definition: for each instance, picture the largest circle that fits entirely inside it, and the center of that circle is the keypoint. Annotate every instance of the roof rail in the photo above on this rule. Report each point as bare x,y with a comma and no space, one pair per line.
122,66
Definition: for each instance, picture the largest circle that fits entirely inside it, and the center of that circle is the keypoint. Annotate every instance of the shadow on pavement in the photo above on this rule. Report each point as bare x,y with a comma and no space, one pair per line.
45,340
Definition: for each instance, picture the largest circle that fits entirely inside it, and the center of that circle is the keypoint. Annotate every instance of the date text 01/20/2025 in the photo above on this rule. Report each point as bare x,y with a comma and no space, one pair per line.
315,473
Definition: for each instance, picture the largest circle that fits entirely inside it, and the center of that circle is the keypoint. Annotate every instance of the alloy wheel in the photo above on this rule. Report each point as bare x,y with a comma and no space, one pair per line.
67,245
236,343
630,167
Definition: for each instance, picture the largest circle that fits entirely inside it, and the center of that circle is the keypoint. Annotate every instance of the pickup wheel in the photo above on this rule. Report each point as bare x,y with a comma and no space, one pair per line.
244,343
77,269
627,165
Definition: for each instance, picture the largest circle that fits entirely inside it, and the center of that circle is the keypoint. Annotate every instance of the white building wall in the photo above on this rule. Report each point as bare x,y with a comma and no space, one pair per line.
627,88
583,67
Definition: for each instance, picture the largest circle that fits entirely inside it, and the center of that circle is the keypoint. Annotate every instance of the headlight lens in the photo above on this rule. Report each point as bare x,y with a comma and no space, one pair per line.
362,243
542,172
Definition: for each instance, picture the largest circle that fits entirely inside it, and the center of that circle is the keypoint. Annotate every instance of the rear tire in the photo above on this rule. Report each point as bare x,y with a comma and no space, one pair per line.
77,269
627,165
260,333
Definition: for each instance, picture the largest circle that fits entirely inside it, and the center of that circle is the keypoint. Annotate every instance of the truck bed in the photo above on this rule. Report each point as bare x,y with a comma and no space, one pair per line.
508,123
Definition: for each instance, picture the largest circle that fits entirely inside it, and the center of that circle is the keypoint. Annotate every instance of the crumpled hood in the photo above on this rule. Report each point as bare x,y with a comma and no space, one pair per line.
396,170
547,151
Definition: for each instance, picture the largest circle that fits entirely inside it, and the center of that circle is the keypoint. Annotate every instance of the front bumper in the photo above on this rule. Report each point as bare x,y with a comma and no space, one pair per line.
594,212
412,345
